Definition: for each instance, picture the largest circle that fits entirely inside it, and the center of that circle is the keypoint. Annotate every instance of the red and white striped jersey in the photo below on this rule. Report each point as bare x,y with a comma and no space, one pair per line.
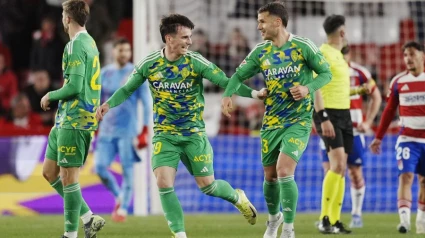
358,76
407,92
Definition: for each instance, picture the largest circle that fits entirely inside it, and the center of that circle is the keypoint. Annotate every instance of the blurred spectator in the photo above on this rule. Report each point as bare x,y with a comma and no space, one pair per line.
201,44
18,19
21,115
47,49
105,16
8,86
4,50
35,91
238,48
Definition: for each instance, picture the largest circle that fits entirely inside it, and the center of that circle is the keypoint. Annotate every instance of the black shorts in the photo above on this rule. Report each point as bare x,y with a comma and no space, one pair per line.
343,126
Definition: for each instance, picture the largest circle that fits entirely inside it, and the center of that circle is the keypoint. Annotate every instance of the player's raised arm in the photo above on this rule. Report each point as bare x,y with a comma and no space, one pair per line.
135,80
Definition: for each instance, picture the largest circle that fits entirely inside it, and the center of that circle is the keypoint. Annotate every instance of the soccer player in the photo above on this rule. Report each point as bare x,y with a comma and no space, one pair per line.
119,129
175,77
333,123
287,63
407,93
75,122
361,83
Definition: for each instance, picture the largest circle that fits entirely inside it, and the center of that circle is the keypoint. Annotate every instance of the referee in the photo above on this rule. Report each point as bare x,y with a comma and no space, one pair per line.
333,123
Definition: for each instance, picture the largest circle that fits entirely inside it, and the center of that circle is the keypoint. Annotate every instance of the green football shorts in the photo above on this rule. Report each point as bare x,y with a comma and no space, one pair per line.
194,151
69,148
290,141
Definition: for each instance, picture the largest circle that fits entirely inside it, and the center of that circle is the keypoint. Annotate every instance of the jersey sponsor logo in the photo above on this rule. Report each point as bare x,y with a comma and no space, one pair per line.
283,72
68,150
405,87
74,63
173,87
297,142
204,170
418,99
207,158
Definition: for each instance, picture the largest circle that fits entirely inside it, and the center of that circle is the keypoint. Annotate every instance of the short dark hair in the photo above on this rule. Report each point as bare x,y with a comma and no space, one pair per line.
413,44
276,9
121,41
332,23
169,24
78,10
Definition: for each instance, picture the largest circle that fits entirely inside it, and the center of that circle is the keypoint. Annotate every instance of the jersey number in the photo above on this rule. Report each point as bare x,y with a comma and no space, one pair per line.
265,146
95,76
403,153
157,148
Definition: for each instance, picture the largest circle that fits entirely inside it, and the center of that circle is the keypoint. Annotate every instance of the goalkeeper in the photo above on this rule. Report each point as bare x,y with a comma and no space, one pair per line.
175,77
119,129
287,62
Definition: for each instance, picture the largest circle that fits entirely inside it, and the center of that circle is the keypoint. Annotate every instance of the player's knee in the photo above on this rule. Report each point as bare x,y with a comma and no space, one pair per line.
270,174
406,178
101,169
50,176
339,167
422,183
128,175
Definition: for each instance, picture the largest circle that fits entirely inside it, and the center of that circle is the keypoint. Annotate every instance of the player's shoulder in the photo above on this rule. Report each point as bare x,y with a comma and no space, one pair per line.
153,56
197,57
399,76
304,42
361,70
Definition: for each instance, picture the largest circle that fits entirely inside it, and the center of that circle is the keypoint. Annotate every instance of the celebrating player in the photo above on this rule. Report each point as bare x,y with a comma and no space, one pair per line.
333,123
175,76
361,83
287,62
69,139
119,129
407,92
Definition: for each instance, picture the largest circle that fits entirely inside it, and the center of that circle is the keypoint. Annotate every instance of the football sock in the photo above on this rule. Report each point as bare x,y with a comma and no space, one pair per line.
339,199
221,189
357,198
271,191
84,211
330,184
289,197
172,209
72,206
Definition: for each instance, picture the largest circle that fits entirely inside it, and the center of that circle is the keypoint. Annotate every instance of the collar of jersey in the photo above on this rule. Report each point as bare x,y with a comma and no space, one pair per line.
78,33
166,60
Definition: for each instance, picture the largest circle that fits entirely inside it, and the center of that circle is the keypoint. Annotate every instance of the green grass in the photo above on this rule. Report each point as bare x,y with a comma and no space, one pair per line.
197,226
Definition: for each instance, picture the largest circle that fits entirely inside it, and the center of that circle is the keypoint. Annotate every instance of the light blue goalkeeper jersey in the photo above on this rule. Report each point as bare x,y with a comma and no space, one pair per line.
121,121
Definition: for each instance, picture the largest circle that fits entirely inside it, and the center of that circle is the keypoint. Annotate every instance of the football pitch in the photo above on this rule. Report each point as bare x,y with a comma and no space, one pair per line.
197,226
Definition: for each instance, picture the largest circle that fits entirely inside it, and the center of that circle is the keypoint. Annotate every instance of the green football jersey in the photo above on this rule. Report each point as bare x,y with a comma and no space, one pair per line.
80,57
177,90
285,67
